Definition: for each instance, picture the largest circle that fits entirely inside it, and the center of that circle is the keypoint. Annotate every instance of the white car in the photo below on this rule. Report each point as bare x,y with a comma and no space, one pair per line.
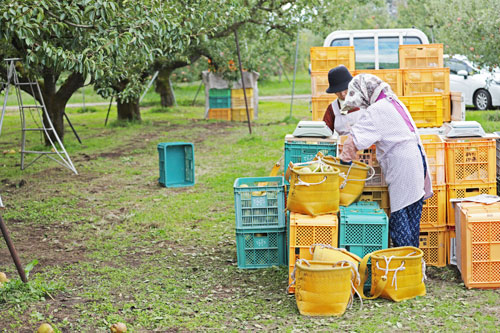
479,87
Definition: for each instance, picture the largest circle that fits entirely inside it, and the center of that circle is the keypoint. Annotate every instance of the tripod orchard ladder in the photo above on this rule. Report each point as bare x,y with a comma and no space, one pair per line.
41,113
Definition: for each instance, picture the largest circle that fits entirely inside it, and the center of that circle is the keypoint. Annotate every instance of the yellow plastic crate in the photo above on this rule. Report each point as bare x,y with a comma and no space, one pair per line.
433,244
434,209
394,77
470,161
446,108
320,104
426,111
466,191
325,58
304,231
221,114
434,147
425,81
421,56
379,194
238,99
319,84
479,245
241,114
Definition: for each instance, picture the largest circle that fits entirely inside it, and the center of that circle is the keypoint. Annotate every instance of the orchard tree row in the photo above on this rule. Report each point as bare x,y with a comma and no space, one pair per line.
115,45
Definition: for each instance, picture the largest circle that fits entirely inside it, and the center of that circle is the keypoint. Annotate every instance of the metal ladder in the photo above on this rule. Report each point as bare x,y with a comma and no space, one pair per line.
41,111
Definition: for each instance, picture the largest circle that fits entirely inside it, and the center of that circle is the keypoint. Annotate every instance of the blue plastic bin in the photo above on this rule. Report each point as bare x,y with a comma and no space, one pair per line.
259,202
298,152
176,164
261,248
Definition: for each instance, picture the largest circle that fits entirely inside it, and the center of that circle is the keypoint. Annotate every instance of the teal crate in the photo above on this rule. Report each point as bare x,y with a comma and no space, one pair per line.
219,98
176,164
261,248
298,152
219,93
363,229
259,202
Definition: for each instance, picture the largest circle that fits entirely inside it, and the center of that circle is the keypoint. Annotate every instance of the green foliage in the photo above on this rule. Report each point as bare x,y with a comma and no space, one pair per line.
464,27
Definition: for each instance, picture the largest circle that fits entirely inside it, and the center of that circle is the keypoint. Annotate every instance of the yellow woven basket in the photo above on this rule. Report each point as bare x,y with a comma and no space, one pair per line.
397,273
322,288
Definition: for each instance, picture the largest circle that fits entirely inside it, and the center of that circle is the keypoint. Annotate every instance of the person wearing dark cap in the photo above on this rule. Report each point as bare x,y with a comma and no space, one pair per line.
340,121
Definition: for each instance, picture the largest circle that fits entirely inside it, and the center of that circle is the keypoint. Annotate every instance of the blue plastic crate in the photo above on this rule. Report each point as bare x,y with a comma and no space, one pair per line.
363,229
259,202
298,152
219,98
176,164
261,248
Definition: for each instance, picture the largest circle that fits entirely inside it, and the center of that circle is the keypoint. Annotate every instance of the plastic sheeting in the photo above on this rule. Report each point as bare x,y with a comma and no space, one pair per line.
212,81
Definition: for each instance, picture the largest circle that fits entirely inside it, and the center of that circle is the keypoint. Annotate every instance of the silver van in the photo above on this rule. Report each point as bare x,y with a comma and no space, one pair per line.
376,48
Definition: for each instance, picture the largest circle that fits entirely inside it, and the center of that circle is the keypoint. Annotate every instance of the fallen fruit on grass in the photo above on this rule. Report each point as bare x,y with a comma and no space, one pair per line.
3,277
118,328
45,328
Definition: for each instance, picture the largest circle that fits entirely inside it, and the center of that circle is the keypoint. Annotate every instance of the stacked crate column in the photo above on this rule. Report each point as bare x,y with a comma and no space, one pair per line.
260,221
434,208
238,106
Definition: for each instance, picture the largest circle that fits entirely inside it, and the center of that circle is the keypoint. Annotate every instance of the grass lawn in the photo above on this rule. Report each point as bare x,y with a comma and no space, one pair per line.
112,245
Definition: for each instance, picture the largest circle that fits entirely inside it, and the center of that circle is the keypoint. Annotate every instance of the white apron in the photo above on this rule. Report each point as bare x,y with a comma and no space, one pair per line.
343,122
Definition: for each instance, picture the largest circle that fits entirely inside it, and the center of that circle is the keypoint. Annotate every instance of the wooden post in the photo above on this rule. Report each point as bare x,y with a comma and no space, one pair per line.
11,247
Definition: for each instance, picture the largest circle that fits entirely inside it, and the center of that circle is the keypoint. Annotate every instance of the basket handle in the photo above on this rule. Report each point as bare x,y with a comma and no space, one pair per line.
362,272
301,182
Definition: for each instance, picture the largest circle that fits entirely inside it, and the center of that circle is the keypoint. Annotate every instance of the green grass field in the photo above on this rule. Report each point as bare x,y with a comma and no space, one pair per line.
112,245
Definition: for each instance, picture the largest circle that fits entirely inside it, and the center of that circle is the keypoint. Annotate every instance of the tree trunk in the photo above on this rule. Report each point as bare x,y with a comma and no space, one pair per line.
55,100
164,87
129,111
55,109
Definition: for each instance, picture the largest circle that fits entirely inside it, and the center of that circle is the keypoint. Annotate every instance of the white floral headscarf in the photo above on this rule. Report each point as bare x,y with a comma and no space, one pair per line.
364,90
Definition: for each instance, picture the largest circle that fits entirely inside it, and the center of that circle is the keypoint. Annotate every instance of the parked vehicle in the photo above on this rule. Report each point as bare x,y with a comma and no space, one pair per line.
480,88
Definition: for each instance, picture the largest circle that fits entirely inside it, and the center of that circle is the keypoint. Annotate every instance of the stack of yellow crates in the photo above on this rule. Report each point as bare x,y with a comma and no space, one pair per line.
322,60
433,232
238,106
304,231
470,171
426,84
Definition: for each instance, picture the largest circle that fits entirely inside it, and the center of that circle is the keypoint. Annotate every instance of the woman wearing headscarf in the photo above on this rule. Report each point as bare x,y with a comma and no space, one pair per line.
388,124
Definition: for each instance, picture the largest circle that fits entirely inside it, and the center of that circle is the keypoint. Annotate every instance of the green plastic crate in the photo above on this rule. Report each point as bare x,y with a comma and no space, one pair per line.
259,202
219,98
261,248
298,152
363,229
176,161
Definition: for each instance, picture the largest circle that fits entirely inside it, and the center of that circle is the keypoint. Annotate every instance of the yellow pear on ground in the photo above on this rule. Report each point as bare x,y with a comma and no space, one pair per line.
3,277
118,328
45,328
